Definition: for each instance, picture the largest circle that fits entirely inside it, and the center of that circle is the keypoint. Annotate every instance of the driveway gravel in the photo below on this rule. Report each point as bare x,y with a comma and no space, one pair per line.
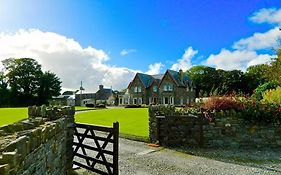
137,158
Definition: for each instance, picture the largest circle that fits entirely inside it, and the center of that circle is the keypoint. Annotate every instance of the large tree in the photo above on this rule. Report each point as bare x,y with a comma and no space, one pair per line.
205,79
274,71
50,85
28,84
256,75
4,91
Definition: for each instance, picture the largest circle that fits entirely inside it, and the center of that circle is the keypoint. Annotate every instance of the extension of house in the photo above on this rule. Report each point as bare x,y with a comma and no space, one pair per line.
173,88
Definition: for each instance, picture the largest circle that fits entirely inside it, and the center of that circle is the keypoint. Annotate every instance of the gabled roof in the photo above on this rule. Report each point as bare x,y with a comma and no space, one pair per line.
147,80
176,76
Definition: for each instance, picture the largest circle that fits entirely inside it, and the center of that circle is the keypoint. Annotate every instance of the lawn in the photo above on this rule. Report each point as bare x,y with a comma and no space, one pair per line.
11,115
132,121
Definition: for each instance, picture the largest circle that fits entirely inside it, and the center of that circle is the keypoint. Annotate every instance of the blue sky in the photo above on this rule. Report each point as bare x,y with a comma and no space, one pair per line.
153,35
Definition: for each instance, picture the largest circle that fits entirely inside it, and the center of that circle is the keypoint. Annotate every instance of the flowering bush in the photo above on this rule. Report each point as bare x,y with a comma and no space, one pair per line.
222,103
257,112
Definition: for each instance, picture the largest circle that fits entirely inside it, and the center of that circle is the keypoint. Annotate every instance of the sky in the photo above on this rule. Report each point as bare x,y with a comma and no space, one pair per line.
107,42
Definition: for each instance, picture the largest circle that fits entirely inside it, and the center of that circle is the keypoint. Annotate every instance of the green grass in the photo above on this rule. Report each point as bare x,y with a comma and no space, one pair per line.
11,115
132,121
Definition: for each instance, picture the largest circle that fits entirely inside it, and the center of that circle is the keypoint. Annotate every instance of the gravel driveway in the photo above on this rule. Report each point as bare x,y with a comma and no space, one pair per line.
140,159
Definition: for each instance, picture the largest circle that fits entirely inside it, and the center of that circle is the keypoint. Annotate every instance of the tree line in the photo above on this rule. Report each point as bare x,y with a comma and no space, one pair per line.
23,83
212,82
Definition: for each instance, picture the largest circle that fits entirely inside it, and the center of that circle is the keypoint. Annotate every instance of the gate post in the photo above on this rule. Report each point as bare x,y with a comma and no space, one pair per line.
115,147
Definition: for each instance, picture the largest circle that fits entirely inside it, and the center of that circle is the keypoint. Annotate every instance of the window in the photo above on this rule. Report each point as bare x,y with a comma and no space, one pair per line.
181,101
135,101
155,88
187,100
171,100
187,89
165,88
170,87
166,100
191,89
154,100
120,101
139,89
140,101
136,89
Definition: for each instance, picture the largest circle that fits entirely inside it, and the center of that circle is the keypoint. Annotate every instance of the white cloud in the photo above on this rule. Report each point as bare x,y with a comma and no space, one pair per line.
245,51
238,59
259,41
184,62
127,51
66,58
155,68
271,15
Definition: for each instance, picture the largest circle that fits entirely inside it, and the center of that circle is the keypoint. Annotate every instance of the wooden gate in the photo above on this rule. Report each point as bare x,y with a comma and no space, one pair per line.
96,148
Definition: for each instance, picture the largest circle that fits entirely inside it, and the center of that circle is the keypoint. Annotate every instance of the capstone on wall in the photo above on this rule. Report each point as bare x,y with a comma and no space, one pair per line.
39,145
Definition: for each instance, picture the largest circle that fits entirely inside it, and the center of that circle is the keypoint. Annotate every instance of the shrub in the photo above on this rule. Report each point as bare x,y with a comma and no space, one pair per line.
272,96
261,113
262,88
222,103
133,106
90,105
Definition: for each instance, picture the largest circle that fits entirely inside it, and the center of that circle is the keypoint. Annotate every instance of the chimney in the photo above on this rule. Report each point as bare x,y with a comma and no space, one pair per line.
181,75
101,87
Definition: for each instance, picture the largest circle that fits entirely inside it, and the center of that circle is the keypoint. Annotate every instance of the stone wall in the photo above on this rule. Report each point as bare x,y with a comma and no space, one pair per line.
39,145
228,130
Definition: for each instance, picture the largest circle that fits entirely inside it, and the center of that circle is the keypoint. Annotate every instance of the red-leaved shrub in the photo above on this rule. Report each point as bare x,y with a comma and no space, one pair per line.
222,103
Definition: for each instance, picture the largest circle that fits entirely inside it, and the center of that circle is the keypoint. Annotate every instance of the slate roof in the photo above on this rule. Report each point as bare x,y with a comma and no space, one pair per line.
103,94
176,77
147,80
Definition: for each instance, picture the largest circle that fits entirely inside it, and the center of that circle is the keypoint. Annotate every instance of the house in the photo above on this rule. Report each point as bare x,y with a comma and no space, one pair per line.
103,95
123,97
67,98
173,88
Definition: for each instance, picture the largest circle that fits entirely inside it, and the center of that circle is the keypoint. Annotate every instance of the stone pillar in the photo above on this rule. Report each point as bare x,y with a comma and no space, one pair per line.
69,113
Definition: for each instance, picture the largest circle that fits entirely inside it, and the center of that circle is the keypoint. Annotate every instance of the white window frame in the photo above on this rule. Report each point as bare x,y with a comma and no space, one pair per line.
170,87
171,100
139,101
165,88
181,101
135,101
135,89
139,88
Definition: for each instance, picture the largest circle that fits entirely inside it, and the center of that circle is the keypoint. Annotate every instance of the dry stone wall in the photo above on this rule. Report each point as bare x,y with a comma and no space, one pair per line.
171,128
39,145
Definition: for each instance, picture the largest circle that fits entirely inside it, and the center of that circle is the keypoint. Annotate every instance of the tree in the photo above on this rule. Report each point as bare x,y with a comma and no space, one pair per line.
50,85
205,79
274,71
28,84
4,91
256,75
233,81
